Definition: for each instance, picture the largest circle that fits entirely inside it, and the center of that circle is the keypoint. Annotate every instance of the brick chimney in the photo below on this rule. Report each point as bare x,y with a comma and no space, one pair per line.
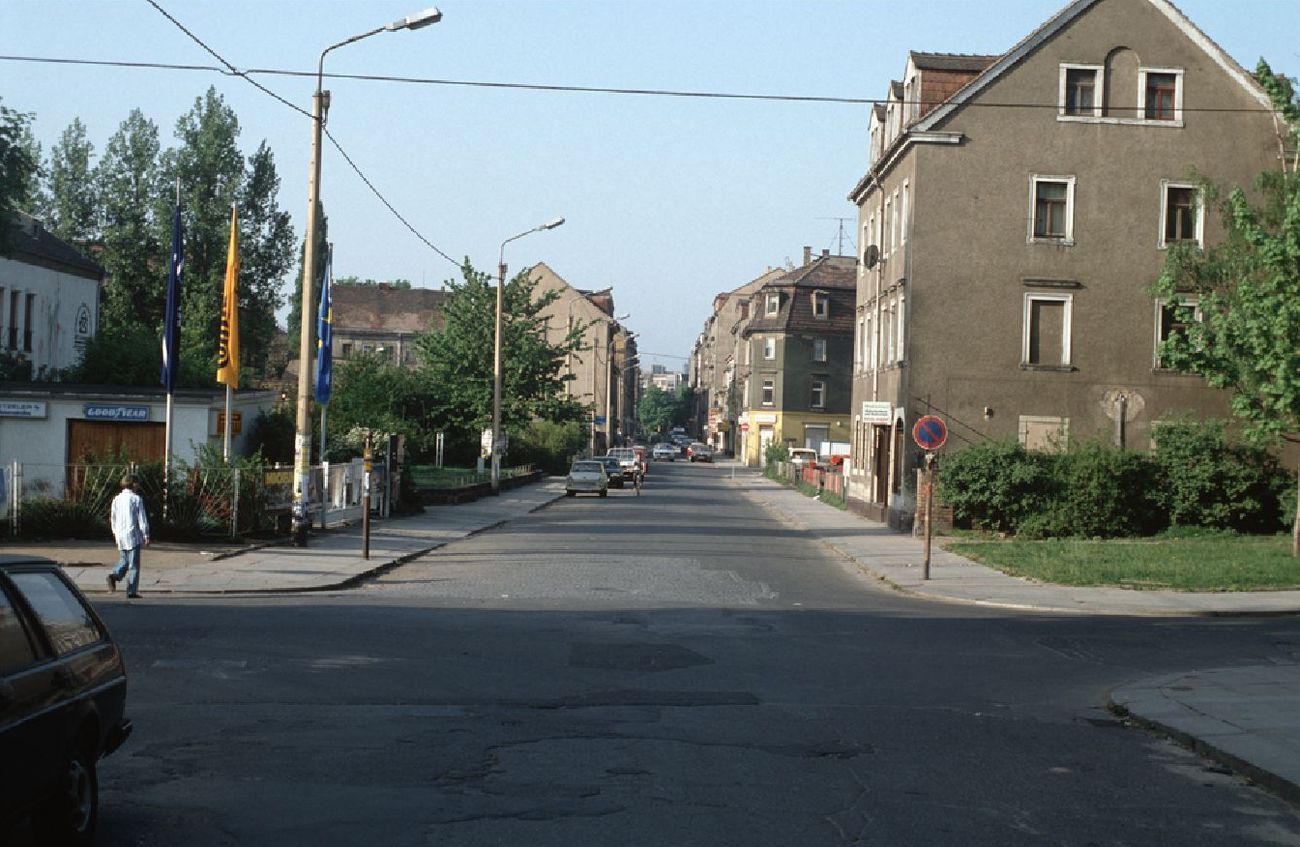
807,255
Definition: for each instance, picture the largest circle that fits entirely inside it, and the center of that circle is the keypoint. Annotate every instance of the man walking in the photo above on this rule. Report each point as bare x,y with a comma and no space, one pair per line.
130,525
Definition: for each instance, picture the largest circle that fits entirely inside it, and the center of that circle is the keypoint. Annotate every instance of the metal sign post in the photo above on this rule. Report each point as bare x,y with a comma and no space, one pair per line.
367,456
929,433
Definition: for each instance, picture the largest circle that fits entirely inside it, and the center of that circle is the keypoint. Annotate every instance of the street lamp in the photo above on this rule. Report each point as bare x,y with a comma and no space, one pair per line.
302,428
496,353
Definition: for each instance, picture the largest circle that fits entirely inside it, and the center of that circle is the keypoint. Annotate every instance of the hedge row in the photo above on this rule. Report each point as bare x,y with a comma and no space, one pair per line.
1195,477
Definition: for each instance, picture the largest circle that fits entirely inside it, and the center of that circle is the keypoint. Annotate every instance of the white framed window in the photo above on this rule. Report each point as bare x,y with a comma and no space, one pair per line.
1051,209
821,305
873,329
1045,340
817,399
772,304
888,233
870,236
1044,432
894,233
1182,215
887,333
769,392
898,330
769,348
1081,88
906,204
819,350
1171,319
868,342
860,344
1160,94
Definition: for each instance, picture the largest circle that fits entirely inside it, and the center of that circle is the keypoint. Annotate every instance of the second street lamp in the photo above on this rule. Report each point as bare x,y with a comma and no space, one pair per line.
302,426
496,353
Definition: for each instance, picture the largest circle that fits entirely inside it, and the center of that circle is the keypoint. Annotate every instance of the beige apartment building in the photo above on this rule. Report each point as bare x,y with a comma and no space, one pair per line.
604,368
1015,210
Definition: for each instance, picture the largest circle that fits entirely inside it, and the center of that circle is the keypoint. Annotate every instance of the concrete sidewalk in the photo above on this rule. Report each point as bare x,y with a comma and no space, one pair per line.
332,560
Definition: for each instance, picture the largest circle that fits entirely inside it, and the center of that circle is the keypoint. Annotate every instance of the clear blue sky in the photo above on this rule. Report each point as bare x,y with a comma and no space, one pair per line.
668,200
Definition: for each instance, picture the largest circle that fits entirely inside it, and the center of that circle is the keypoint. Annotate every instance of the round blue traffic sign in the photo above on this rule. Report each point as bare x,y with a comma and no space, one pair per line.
930,432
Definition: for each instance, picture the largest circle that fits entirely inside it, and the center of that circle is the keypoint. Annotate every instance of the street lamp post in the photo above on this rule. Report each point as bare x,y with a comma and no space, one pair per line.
302,428
496,352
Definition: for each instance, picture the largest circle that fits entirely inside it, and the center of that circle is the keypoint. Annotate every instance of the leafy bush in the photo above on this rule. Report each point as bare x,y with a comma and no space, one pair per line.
548,445
773,454
1206,481
47,518
1104,492
996,484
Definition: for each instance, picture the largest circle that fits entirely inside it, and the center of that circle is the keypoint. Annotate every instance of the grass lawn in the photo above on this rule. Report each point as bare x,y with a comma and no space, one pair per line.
1234,563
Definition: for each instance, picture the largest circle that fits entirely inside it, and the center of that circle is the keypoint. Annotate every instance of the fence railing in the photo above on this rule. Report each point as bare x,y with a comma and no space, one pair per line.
38,499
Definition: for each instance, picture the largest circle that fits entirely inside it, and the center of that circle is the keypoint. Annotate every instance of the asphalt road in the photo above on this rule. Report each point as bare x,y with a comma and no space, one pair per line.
675,669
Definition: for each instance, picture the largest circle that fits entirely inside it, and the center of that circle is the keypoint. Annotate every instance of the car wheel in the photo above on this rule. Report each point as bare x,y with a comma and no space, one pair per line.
69,818
604,494
571,493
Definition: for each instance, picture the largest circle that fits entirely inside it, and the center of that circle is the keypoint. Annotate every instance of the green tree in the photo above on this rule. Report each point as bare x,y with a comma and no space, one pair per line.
266,250
17,171
128,186
119,355
1247,290
371,392
658,409
459,358
210,170
73,208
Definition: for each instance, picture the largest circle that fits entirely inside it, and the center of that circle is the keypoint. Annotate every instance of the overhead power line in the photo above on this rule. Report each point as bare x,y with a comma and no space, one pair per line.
229,69
580,89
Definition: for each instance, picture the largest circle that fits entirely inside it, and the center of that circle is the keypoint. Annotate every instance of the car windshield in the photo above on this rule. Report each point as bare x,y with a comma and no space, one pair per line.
587,467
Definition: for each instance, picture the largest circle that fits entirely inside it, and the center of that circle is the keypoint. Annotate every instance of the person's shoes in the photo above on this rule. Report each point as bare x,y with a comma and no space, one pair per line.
133,596
112,582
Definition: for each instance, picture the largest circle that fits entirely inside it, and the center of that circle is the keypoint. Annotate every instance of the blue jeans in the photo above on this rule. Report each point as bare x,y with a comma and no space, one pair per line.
128,565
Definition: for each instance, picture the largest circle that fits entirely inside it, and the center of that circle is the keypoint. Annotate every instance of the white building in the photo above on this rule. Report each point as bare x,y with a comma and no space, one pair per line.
49,299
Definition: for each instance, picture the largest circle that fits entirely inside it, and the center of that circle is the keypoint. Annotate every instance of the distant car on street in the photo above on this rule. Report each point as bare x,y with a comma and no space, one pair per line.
587,475
627,457
699,452
664,452
613,468
62,702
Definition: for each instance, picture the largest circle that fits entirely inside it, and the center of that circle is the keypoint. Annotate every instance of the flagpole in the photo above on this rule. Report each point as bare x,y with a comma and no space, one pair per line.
167,428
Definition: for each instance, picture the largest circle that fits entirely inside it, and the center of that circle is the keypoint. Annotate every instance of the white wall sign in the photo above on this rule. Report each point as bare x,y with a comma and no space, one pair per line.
22,409
877,412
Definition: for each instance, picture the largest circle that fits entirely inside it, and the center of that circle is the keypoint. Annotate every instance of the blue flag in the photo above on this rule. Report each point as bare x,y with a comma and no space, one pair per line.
171,340
325,335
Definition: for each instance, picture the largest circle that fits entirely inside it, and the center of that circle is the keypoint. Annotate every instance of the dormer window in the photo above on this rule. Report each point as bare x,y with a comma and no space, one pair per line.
773,305
821,304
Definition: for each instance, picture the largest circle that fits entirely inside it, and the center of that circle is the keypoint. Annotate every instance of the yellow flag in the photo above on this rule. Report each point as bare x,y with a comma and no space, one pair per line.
228,346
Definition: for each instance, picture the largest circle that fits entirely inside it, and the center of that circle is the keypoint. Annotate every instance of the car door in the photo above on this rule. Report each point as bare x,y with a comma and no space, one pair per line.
27,727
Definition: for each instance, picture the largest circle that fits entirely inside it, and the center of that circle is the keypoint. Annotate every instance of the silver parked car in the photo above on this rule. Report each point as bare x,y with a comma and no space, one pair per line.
664,452
587,475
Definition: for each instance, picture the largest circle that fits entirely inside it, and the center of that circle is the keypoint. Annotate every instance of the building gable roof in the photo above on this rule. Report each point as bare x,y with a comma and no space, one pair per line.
1052,26
33,244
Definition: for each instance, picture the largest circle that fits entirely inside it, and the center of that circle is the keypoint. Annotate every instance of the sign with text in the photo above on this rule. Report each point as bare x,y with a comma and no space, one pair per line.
22,408
114,412
879,412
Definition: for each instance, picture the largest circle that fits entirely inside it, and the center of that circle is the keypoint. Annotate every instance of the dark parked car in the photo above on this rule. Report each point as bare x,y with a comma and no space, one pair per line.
62,702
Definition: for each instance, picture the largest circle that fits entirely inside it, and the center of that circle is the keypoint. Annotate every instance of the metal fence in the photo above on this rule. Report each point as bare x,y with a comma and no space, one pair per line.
69,500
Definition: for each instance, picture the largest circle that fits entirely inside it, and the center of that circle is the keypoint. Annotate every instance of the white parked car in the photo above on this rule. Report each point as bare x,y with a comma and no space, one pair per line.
589,476
664,452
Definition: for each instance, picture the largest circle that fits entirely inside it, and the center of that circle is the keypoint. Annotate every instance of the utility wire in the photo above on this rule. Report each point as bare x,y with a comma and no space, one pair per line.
231,70
579,89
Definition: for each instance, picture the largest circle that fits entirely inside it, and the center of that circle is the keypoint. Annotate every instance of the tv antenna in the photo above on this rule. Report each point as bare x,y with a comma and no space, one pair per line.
839,250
